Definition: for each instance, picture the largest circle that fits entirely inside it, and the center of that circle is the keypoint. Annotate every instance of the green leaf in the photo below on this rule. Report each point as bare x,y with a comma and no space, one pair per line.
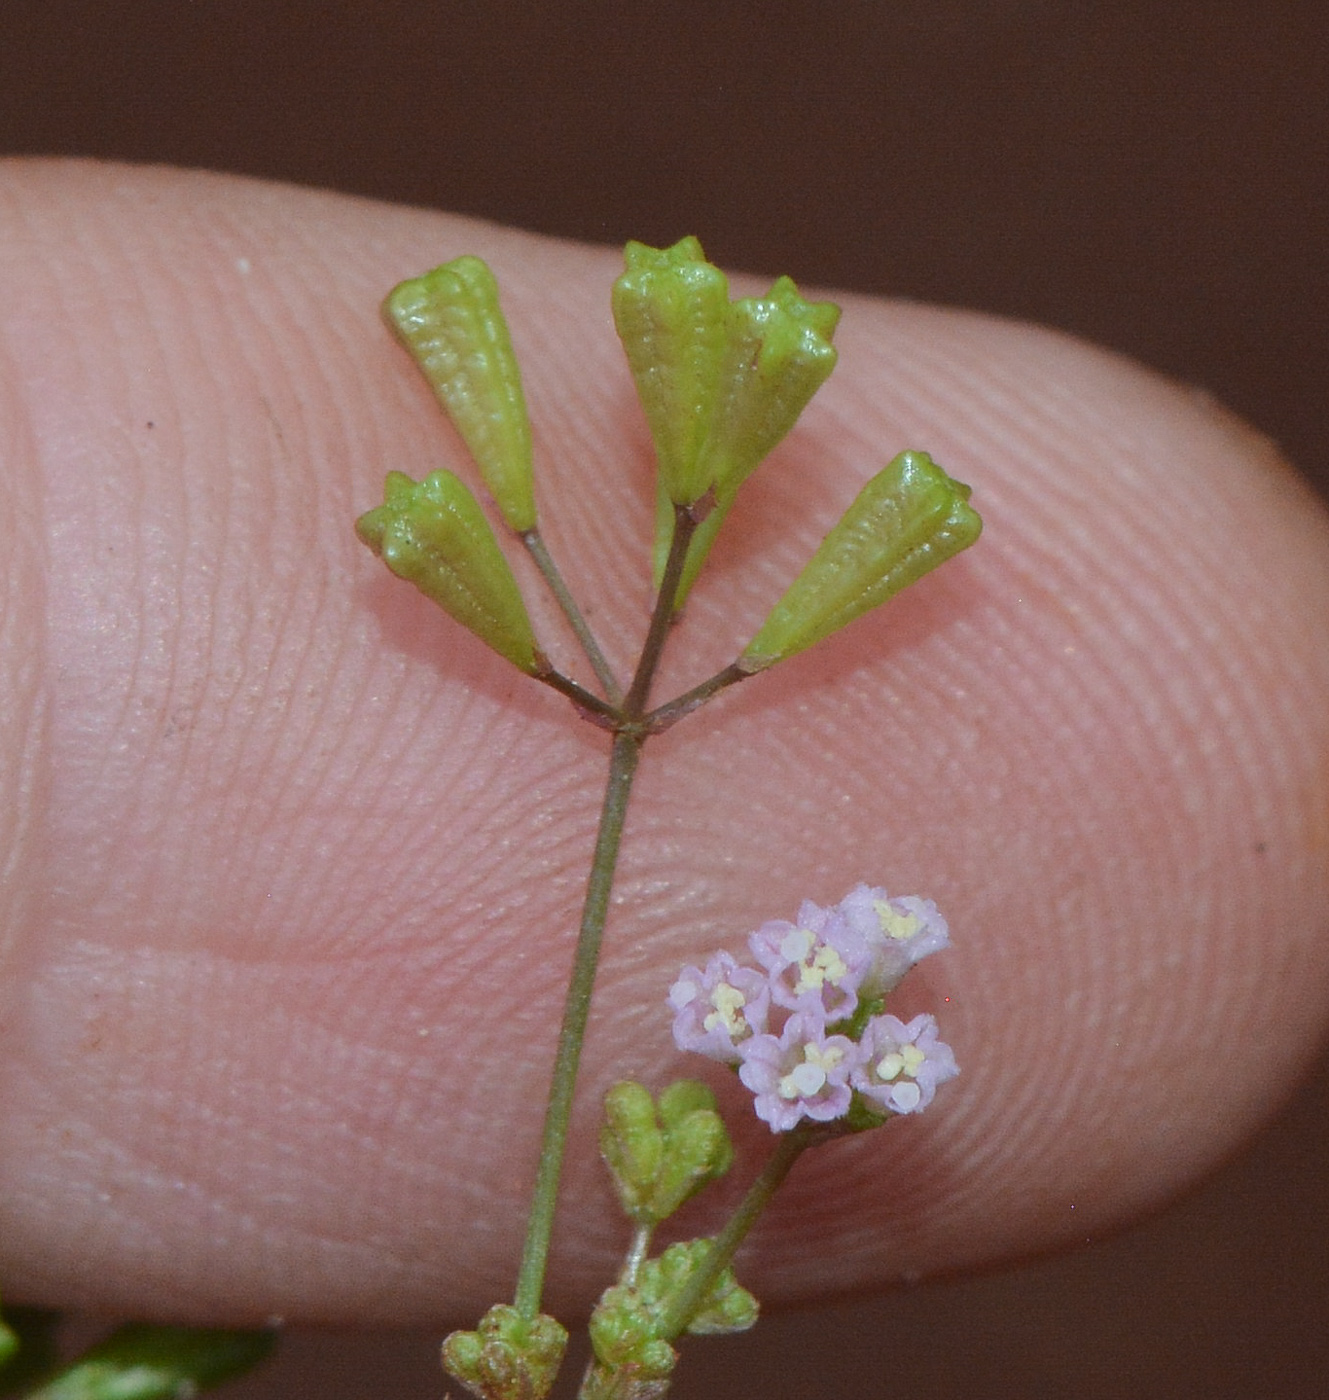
434,534
451,322
27,1347
142,1362
907,519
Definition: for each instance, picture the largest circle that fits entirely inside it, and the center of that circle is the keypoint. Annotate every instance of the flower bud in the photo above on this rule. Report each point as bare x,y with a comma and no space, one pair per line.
623,1330
434,534
451,322
661,1154
727,1306
669,309
697,1146
508,1357
907,519
632,1146
628,1321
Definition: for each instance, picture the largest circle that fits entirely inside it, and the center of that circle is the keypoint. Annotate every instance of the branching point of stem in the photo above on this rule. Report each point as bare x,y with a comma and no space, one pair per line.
598,711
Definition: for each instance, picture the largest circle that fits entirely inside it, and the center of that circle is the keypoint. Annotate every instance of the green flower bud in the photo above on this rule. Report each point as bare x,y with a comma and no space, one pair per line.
451,322
697,1146
669,309
623,1331
632,1146
907,519
434,534
682,1097
508,1357
631,1357
728,1307
144,1362
660,1154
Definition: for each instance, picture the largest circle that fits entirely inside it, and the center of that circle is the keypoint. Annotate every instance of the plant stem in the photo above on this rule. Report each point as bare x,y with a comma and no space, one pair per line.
726,1243
636,1255
660,718
622,767
629,736
598,711
549,571
653,647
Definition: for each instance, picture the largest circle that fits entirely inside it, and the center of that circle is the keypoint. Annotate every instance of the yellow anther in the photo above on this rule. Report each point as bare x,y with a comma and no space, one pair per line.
893,924
727,1000
889,1066
907,1060
825,1059
826,965
810,979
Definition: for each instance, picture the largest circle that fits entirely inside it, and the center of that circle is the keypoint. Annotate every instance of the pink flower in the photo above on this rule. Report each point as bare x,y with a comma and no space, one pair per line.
817,962
819,972
897,932
899,1066
802,1073
719,1007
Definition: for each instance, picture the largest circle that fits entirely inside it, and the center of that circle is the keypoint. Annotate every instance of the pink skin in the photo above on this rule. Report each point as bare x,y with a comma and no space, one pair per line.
294,864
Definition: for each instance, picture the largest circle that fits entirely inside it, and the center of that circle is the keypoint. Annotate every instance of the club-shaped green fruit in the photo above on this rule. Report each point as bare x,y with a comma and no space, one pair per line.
907,519
434,534
451,322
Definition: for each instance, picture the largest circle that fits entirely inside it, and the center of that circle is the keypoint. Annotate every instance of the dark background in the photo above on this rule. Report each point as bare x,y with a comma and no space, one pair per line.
1153,176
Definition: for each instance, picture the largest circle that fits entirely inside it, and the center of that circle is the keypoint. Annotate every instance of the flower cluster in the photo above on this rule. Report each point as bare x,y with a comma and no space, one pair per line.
806,1030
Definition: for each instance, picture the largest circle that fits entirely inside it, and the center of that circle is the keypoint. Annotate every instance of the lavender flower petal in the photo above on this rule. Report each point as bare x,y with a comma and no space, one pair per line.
898,932
817,962
802,1073
899,1066
718,1007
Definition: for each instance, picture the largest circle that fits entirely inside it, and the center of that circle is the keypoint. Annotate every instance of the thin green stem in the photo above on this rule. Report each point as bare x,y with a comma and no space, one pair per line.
636,1255
726,1243
653,648
660,718
549,571
592,707
622,767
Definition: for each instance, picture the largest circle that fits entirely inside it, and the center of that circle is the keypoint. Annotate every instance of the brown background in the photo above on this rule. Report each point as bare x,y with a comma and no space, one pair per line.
1154,176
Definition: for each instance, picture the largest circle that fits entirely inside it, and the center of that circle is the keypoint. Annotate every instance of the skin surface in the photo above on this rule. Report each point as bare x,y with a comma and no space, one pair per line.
293,863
